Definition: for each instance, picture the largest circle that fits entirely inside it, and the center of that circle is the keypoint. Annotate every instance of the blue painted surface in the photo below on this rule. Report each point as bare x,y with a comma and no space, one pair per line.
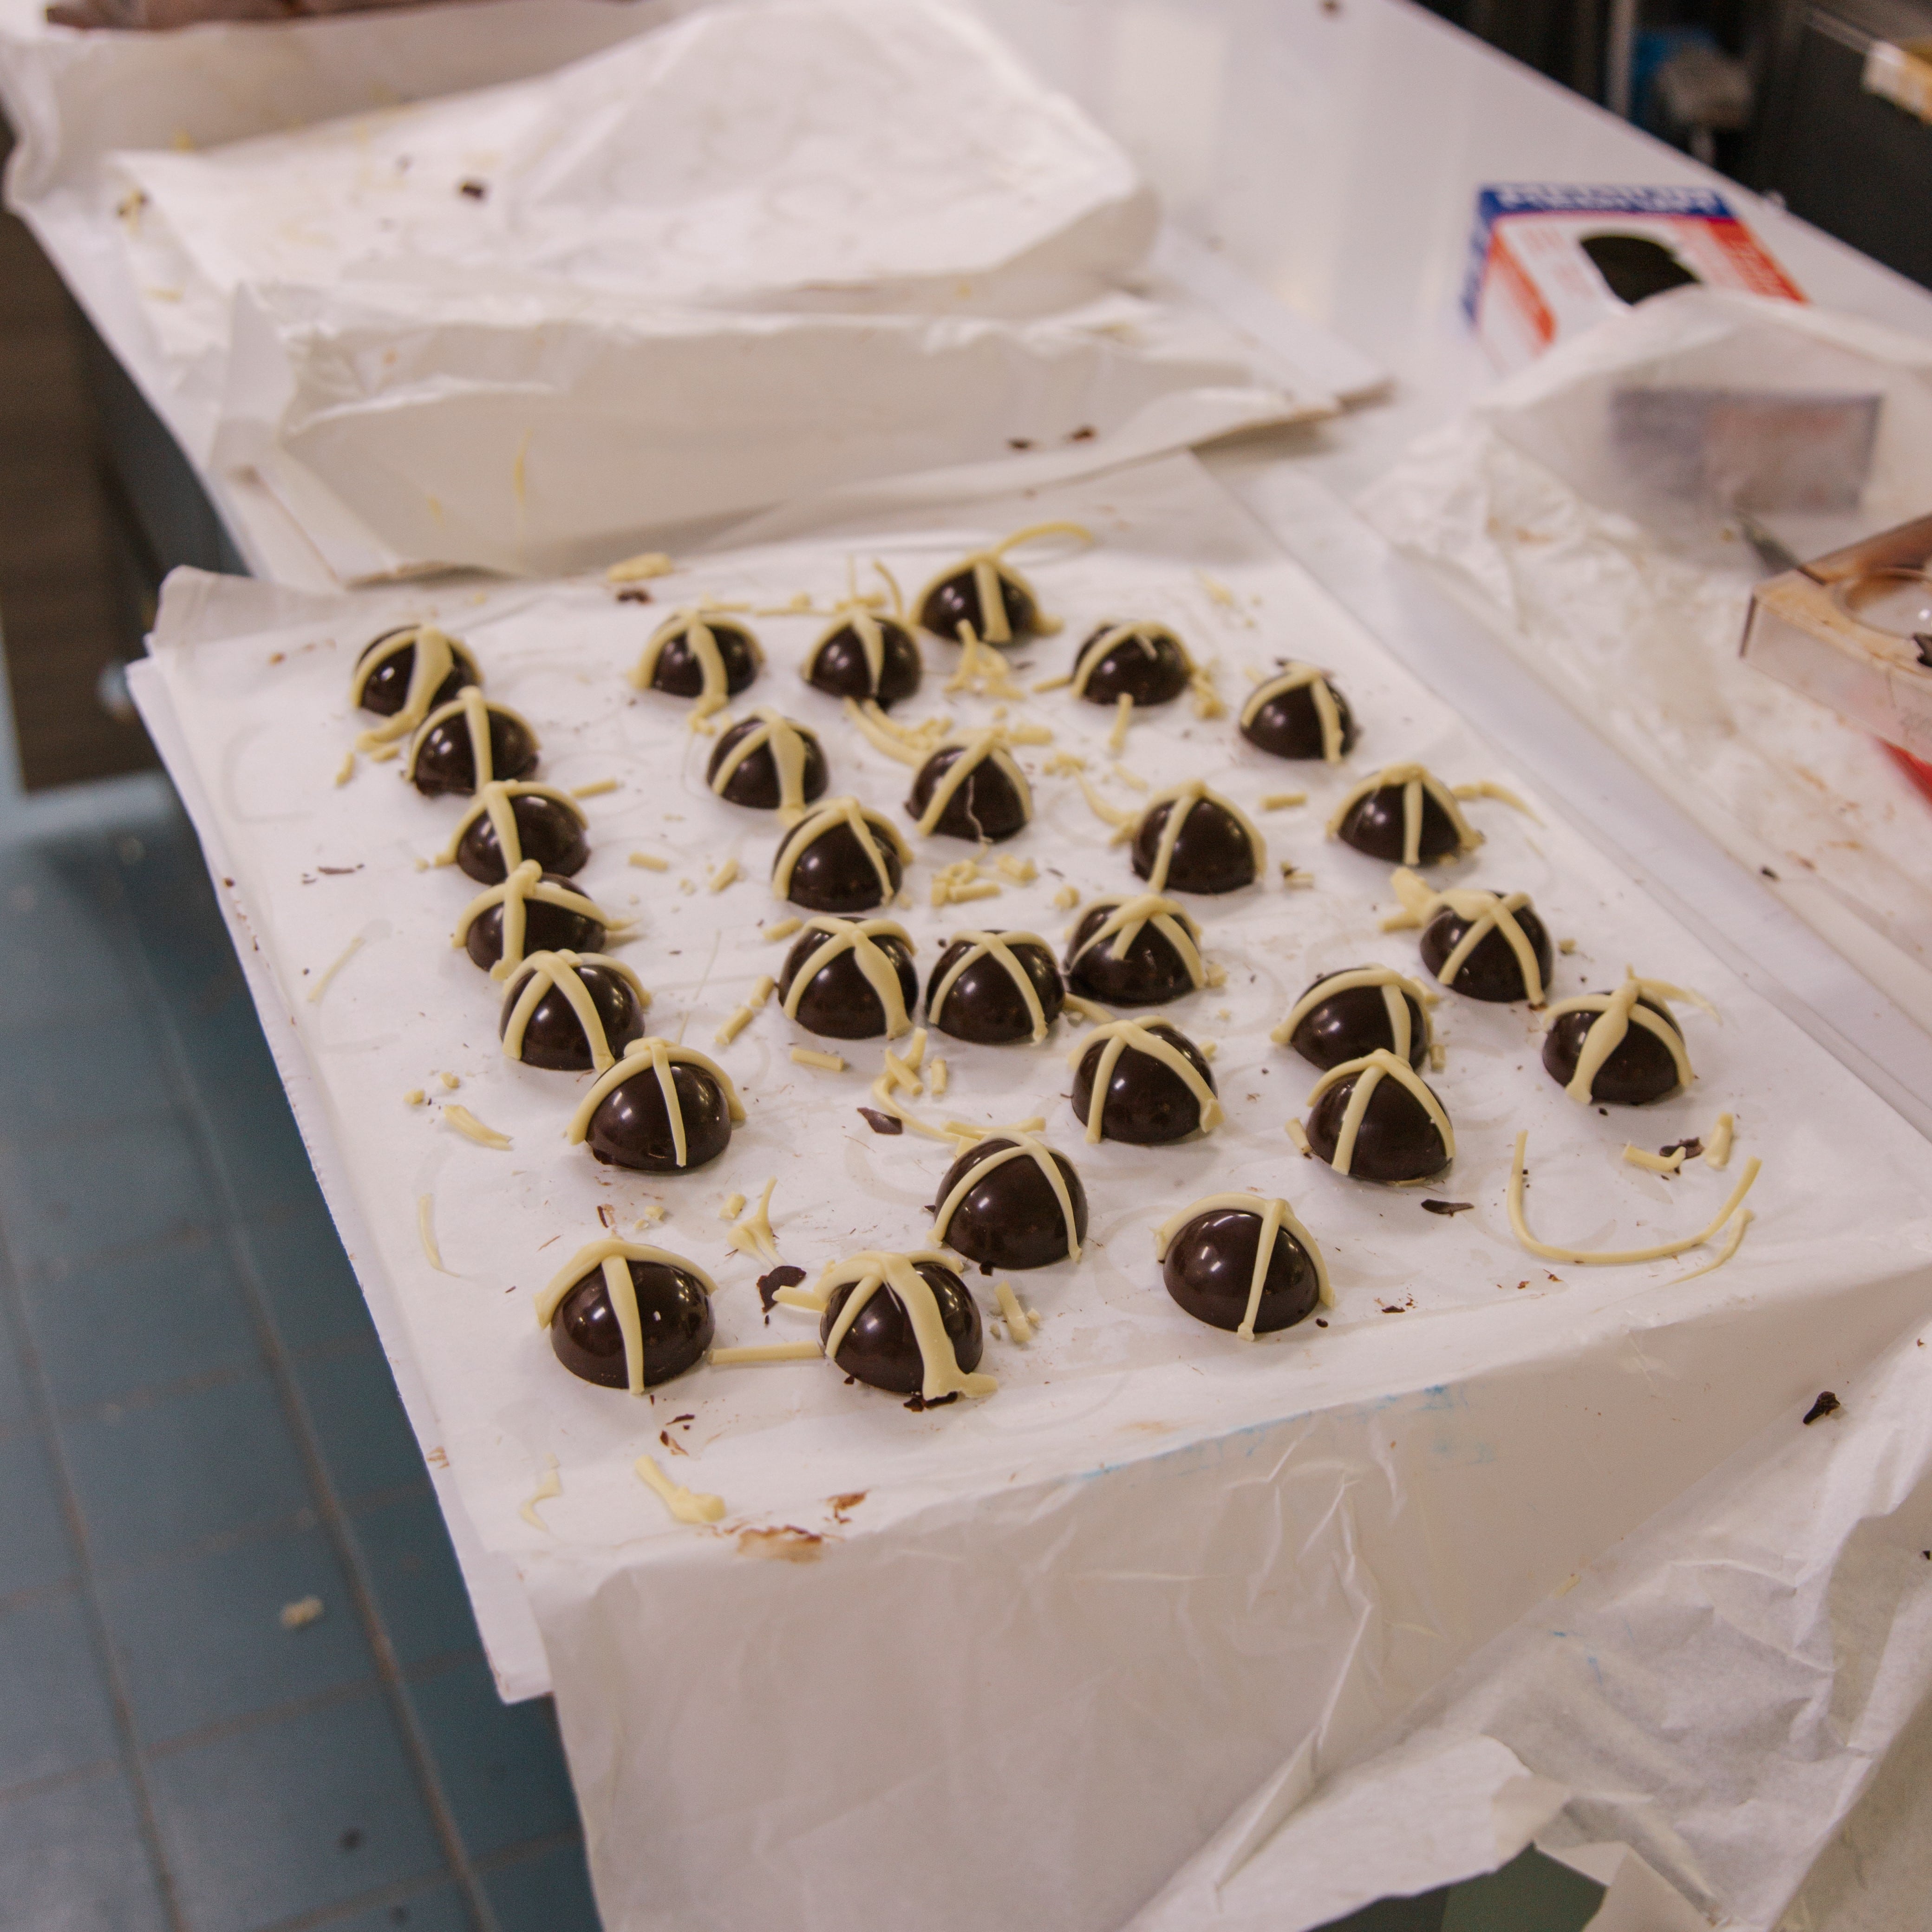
197,1428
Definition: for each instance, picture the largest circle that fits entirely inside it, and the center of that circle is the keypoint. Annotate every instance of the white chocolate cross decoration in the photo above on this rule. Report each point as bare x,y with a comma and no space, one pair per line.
1394,985
437,656
1181,799
1482,912
1415,780
1615,1014
691,625
989,568
1115,1037
658,1057
474,710
988,748
871,633
1023,1145
787,744
1146,635
868,827
1298,677
560,969
859,937
1275,1217
874,1268
1167,917
614,1257
1373,1069
998,946
526,882
494,801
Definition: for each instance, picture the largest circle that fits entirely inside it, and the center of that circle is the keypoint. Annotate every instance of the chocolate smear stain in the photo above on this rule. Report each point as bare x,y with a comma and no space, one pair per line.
786,1544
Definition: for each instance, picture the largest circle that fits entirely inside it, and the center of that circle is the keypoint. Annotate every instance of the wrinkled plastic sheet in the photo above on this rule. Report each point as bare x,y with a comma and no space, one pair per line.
1633,605
1100,1645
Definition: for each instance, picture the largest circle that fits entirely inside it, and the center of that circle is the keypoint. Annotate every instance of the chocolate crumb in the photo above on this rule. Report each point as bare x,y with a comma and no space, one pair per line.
785,1275
1692,1148
1019,442
1446,1206
1767,872
473,190
637,594
1320,1322
1827,1404
1086,432
881,1124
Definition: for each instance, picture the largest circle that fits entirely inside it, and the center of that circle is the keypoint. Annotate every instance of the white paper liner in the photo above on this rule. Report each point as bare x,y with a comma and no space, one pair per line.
1158,1565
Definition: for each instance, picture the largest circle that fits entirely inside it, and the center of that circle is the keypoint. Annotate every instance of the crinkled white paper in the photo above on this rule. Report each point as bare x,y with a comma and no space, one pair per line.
1640,627
1023,1659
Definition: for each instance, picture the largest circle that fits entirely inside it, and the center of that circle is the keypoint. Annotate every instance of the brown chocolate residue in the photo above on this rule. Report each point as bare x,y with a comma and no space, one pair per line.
785,1275
1446,1206
881,1124
788,1543
1827,1404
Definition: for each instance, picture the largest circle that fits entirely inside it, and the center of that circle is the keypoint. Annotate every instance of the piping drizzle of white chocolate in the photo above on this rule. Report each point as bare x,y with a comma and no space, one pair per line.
1181,799
658,1057
1371,1070
436,656
866,826
997,947
860,937
786,742
559,969
699,638
989,567
1275,1217
526,882
872,1269
1394,985
1616,1012
1022,1145
494,801
1146,635
988,748
1299,677
614,1257
1116,1037
474,709
1415,780
1167,917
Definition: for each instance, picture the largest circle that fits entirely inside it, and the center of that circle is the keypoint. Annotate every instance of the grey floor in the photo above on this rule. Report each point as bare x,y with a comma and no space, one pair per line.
197,1430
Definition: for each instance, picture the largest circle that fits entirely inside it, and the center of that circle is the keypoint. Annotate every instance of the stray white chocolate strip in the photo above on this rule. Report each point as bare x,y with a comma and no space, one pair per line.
686,1505
549,1484
467,1124
810,1056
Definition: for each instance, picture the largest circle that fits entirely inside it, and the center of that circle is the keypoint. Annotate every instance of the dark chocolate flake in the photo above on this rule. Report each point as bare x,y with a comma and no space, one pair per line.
1446,1206
881,1124
768,1285
1827,1404
1692,1148
917,1403
473,190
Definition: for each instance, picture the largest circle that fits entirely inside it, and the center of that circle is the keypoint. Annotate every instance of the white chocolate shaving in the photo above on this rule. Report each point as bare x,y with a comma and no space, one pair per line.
1661,1251
910,744
1740,1221
1297,1133
346,770
810,1056
753,1235
1718,1147
1488,788
938,1075
596,788
1123,822
1280,801
426,1231
735,1023
1066,898
784,928
734,1206
1123,718
640,569
650,862
334,967
467,1124
686,1505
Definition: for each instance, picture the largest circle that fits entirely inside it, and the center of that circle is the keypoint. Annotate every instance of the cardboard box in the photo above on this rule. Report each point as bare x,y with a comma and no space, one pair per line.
1547,261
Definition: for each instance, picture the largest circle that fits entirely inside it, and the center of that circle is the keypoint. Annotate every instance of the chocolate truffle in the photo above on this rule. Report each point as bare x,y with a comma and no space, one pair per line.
863,657
1347,1015
1488,946
983,594
1238,1262
1299,714
879,1344
628,1118
1007,1202
464,744
1399,1132
767,762
513,819
389,682
995,988
573,1012
1152,1083
1404,815
1146,662
1192,840
1625,1048
585,1306
1139,952
840,858
849,979
974,789
698,654
528,913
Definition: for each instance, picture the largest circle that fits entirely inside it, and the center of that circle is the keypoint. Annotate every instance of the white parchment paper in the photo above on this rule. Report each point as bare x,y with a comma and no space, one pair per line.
1031,1655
